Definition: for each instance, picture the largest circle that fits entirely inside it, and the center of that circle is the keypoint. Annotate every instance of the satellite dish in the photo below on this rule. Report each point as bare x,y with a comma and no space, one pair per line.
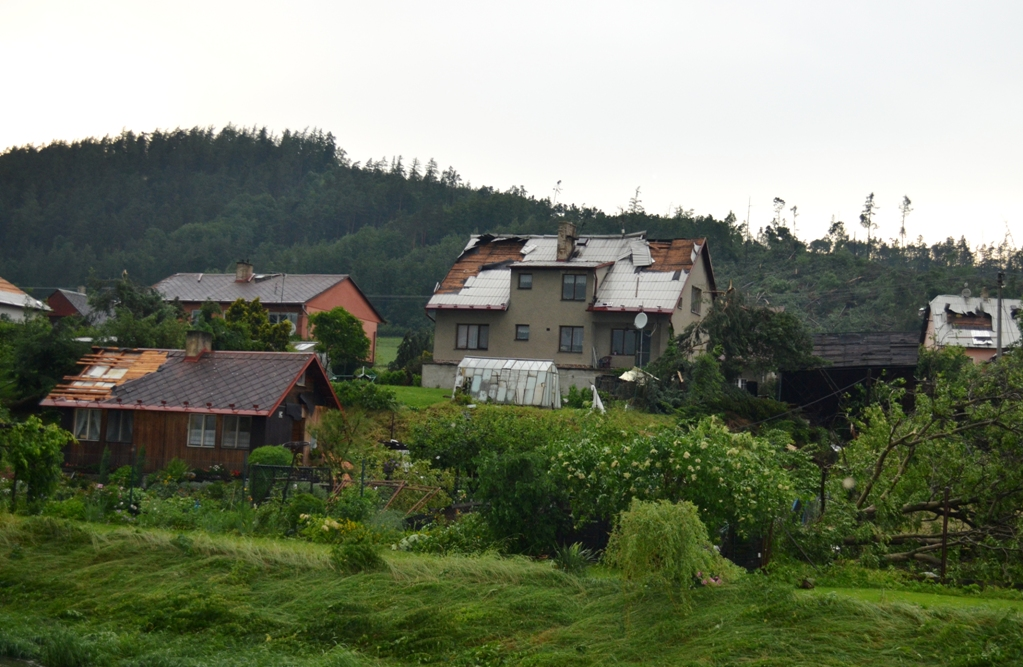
640,321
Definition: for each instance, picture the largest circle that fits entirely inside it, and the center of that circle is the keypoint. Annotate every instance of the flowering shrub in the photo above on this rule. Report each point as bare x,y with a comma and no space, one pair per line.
469,535
732,478
324,529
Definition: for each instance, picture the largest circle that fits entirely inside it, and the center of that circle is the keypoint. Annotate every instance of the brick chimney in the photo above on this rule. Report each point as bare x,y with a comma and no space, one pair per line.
197,343
242,271
566,240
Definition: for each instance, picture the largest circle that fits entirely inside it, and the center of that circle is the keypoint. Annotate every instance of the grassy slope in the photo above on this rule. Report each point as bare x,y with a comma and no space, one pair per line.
387,351
73,594
421,397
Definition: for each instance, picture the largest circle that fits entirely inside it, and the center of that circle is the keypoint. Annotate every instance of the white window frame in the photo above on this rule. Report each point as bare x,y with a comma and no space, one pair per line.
88,423
278,317
472,337
236,426
207,429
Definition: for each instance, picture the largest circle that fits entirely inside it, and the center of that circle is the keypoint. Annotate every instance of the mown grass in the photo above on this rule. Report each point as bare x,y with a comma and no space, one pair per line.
421,397
77,594
387,351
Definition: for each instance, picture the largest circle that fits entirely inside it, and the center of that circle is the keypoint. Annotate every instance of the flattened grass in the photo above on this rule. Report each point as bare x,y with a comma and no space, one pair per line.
75,592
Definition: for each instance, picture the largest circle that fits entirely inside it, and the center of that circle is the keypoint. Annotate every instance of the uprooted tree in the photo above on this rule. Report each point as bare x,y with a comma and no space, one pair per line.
962,431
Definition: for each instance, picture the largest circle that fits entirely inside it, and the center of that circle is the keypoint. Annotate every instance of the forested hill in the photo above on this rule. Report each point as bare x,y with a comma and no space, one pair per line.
197,200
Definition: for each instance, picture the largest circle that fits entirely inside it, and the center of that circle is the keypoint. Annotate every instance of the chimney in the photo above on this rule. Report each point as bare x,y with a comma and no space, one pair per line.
566,240
81,289
242,271
197,343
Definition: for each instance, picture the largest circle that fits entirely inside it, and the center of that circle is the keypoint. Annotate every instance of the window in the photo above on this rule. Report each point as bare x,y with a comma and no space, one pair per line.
87,424
697,300
521,332
571,339
573,287
473,337
119,425
277,318
202,430
236,432
525,281
196,316
624,341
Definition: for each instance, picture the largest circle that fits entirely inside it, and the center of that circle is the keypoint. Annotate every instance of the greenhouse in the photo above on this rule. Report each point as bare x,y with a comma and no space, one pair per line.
511,381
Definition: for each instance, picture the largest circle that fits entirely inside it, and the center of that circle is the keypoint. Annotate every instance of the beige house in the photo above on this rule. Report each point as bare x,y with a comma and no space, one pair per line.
572,300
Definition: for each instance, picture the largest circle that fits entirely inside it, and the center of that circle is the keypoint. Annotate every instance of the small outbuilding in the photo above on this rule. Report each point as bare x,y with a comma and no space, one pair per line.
510,381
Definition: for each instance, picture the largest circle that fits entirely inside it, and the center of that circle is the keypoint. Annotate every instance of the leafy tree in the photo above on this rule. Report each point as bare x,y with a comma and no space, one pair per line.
35,355
340,335
411,350
33,451
139,316
749,337
245,326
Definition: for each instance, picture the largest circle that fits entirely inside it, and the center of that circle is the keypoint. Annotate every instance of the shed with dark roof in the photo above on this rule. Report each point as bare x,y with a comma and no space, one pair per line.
204,407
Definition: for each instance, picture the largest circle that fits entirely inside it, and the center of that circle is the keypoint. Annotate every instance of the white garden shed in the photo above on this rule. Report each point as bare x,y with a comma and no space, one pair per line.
510,381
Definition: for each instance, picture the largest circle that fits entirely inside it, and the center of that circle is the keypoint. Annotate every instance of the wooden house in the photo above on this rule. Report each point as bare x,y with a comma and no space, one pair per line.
204,407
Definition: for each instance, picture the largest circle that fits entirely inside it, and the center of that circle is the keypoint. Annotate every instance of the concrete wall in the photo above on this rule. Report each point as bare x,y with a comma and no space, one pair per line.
698,277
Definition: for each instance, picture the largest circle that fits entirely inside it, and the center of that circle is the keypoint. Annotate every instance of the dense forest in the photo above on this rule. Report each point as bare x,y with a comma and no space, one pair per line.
198,200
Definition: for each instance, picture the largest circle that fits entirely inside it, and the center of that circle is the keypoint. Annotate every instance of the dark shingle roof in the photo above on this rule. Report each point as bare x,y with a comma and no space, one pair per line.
287,288
253,382
867,349
81,304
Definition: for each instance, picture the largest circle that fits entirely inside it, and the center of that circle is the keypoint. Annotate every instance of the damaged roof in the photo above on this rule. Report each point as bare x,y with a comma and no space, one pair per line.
246,383
967,321
13,296
642,274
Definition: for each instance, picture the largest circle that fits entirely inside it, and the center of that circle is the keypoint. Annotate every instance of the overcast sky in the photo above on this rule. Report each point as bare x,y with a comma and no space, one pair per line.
707,105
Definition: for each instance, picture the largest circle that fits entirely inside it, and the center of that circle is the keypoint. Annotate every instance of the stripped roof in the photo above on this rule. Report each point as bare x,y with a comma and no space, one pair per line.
970,321
643,275
12,296
246,383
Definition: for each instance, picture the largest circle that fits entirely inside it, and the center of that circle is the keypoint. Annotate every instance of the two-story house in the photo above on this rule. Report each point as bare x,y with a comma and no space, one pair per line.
287,296
573,300
969,322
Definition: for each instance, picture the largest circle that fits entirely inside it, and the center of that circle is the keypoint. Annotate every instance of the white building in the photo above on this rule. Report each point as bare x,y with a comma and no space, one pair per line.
15,304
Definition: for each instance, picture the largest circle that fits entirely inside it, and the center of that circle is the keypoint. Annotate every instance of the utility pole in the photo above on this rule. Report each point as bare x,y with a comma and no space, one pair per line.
1001,282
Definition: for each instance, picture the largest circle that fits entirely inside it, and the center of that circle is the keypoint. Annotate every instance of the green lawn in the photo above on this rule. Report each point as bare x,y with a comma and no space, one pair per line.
81,594
387,351
925,600
421,397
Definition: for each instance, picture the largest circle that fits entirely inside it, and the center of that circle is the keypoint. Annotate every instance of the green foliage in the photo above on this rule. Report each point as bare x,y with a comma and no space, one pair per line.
573,558
244,326
469,535
104,465
576,398
356,553
737,479
365,395
415,348
662,539
751,338
33,451
35,355
261,479
523,504
139,317
174,472
341,336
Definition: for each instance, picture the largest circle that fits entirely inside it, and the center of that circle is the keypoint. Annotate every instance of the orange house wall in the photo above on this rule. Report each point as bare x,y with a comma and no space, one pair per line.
347,296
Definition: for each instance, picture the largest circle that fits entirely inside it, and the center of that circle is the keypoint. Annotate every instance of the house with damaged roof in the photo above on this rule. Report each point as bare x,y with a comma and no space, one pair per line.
290,297
971,323
16,305
202,406
567,298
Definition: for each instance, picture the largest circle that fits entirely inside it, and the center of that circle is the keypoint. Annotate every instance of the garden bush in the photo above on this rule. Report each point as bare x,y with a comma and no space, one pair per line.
365,395
260,481
662,539
469,535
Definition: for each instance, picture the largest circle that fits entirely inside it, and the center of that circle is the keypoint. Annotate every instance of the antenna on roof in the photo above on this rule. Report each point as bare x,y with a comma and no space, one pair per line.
557,191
